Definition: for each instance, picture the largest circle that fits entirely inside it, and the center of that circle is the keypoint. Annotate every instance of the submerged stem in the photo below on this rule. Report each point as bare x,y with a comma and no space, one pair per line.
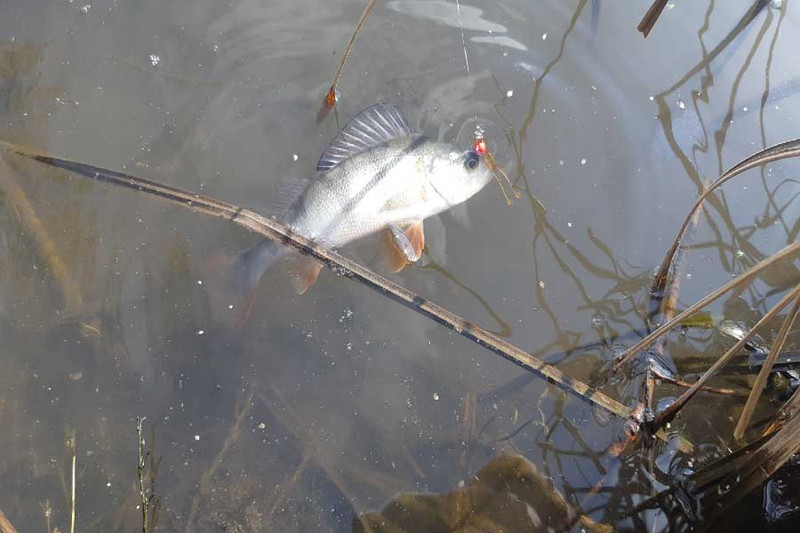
786,252
761,380
667,414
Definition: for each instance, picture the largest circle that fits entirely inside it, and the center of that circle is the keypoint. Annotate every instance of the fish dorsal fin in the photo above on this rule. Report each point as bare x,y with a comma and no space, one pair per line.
373,126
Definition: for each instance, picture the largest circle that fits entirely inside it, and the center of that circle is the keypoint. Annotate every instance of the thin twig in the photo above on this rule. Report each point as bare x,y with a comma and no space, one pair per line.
705,388
780,151
761,380
667,414
279,233
330,97
785,253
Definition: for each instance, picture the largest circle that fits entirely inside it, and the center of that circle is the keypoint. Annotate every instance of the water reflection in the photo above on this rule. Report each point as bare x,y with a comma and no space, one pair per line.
326,407
447,14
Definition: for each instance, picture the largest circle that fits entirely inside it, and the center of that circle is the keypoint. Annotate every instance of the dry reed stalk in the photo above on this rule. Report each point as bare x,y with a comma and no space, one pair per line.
756,269
667,414
279,233
761,380
777,152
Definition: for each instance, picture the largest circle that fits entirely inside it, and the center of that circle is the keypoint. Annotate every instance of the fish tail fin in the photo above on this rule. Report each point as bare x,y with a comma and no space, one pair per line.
246,270
239,274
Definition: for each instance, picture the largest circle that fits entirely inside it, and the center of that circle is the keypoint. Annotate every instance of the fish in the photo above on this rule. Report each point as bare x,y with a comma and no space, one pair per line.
377,174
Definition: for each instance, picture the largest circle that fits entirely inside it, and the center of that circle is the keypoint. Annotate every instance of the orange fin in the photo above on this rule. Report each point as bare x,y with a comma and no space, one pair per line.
405,242
303,272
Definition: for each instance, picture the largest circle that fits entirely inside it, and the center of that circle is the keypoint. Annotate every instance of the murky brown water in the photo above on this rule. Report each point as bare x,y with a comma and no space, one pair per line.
330,404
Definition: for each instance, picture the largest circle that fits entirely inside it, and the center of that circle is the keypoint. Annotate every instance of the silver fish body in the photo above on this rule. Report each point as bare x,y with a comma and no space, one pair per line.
405,179
375,174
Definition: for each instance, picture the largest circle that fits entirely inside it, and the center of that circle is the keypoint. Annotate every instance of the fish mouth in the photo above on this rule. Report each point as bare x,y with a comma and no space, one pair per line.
481,148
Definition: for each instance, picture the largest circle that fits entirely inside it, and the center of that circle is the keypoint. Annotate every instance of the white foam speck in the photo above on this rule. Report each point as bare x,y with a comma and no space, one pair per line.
295,157
155,60
509,93
544,36
681,105
583,161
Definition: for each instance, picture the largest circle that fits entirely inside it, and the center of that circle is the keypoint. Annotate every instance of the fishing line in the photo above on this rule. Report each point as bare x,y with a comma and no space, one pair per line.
463,41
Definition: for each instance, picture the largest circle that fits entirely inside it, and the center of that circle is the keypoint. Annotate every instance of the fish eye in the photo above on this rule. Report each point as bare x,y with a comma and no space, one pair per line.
472,161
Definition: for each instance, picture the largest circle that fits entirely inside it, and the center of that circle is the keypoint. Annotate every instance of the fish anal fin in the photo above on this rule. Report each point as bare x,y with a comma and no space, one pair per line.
405,242
303,272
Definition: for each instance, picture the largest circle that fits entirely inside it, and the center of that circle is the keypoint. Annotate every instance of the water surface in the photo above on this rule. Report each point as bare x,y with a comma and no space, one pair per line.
328,405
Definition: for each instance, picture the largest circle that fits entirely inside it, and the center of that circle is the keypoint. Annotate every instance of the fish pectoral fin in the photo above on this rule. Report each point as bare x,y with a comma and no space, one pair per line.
405,242
303,272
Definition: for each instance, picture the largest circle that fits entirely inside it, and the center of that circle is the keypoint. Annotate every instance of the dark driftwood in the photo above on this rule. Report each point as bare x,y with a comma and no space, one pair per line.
279,233
651,17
